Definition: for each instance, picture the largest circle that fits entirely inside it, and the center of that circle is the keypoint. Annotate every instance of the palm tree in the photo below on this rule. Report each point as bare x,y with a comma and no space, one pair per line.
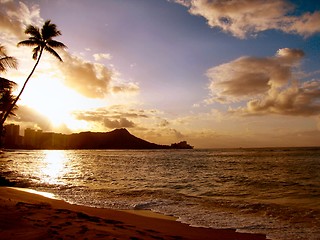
6,100
6,86
41,40
6,61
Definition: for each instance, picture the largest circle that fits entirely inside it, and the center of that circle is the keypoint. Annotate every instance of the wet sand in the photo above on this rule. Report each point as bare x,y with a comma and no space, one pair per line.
25,215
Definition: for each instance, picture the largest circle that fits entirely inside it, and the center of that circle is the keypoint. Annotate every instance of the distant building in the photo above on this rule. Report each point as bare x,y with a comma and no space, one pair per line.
12,138
37,139
181,145
31,138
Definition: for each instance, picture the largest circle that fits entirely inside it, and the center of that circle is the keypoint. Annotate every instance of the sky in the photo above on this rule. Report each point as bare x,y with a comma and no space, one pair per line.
216,73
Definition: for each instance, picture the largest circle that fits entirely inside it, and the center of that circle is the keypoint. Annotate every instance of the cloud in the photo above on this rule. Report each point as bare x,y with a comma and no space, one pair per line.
116,116
177,134
128,87
15,16
28,116
296,100
121,123
243,18
267,84
164,123
90,79
185,3
116,111
101,56
246,77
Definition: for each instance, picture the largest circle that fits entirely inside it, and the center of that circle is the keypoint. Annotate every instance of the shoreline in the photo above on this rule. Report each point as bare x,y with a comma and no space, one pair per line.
26,215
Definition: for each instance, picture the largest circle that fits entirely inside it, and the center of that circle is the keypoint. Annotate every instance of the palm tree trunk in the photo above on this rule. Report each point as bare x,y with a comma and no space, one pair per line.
22,89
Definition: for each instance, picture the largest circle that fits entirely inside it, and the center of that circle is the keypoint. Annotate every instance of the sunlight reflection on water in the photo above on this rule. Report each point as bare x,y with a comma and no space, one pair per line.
53,167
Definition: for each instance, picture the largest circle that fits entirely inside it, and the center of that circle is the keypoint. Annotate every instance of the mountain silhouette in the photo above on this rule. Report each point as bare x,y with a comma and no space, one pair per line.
116,139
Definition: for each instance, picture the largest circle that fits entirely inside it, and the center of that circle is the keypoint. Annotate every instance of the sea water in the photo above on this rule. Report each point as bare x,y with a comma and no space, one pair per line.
274,191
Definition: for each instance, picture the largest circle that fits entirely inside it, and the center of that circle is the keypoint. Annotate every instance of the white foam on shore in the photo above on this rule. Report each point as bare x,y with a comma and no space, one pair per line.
44,194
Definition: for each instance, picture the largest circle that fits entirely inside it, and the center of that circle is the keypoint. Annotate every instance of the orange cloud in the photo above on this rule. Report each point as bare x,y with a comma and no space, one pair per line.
30,118
114,117
90,79
119,123
128,87
15,16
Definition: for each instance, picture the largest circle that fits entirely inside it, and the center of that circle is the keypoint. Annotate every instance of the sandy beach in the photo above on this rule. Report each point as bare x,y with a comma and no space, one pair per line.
26,215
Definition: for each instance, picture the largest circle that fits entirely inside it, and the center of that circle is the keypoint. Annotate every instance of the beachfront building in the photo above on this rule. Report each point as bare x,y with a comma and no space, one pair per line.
37,139
12,138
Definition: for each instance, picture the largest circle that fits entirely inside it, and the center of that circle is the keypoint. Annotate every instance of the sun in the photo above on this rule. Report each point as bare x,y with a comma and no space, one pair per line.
56,115
57,103
53,100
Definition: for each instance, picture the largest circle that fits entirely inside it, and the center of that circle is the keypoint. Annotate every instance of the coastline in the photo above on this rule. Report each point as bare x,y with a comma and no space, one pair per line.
26,215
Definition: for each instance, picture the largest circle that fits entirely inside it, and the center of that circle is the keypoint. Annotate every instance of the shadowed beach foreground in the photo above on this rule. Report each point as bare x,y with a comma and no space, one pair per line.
25,215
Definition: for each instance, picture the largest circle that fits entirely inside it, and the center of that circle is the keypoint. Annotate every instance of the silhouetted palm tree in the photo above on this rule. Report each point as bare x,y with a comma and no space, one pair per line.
6,61
41,40
6,86
6,100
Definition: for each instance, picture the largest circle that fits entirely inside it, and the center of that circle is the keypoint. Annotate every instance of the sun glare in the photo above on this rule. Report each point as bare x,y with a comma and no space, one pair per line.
54,167
54,101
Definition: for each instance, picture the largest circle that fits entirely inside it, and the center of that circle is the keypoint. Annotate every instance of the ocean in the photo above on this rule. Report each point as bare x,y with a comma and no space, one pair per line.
275,191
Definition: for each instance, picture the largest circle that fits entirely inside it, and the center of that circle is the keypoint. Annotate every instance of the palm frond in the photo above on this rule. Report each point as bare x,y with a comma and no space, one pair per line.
7,62
6,84
36,52
33,31
3,50
6,100
55,44
36,40
49,30
53,52
28,42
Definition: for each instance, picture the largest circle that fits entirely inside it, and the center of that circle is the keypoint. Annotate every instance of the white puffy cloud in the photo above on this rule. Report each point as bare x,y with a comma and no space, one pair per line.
248,17
101,56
